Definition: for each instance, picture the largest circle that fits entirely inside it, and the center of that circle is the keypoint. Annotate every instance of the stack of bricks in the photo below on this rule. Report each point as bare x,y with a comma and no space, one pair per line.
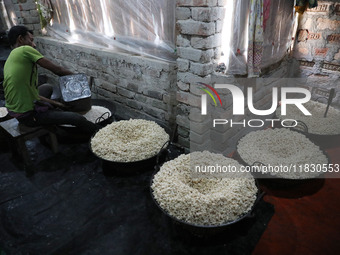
199,26
318,48
27,14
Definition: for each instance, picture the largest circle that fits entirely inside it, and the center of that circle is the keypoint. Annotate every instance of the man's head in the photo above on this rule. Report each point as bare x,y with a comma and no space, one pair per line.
20,36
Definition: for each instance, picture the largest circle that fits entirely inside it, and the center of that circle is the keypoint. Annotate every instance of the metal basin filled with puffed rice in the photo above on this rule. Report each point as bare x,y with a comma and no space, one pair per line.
3,114
102,112
204,204
282,155
322,130
128,147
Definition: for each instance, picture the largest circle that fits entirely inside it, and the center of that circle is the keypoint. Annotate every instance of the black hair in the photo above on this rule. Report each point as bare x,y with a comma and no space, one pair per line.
14,33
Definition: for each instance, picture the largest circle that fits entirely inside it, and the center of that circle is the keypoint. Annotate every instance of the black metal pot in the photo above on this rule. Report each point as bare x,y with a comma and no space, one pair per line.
80,105
107,117
322,140
113,168
103,120
209,230
278,182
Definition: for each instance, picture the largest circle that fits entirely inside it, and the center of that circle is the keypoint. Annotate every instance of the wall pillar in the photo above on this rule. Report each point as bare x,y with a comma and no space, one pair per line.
199,27
27,14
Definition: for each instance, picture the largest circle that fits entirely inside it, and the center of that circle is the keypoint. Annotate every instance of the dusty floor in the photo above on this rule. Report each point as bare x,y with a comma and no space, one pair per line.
68,206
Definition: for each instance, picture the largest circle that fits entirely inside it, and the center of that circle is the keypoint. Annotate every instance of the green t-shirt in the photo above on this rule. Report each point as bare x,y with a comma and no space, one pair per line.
21,79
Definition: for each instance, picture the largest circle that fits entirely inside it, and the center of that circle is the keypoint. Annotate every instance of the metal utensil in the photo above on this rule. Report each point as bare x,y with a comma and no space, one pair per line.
330,98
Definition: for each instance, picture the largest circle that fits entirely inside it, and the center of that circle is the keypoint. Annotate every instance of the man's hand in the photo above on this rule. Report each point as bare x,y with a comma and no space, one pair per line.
55,103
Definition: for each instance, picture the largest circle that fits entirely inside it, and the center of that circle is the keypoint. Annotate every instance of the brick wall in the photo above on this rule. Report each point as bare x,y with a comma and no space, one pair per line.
139,87
199,25
27,14
224,138
166,92
318,48
198,45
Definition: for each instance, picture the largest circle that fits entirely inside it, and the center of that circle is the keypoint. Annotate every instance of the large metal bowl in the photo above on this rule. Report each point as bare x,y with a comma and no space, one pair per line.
103,120
114,168
72,134
209,230
274,181
323,140
108,117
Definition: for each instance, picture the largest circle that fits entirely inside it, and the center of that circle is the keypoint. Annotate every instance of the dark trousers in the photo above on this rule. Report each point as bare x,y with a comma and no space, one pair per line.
45,90
56,116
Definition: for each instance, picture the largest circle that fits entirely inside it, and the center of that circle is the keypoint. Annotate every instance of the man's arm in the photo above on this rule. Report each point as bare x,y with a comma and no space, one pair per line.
56,69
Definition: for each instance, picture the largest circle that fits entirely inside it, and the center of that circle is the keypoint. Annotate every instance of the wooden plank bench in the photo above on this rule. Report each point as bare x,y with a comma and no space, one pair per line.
17,134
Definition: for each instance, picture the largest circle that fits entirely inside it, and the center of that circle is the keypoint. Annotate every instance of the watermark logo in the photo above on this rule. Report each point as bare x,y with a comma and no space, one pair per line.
239,99
204,97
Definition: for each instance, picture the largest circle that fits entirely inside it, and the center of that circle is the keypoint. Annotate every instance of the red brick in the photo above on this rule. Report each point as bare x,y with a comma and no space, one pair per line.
321,51
328,24
322,7
314,36
307,63
332,67
333,38
337,56
303,51
337,9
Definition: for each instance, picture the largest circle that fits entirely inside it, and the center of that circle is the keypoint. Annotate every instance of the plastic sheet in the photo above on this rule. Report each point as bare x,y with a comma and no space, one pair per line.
141,27
278,30
237,61
8,16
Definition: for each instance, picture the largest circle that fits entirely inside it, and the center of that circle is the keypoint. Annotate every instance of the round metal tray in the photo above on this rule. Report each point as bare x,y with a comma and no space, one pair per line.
324,141
272,180
105,118
114,168
208,230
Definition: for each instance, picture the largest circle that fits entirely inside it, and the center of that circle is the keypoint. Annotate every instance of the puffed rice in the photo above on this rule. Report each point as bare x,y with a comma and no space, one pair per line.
202,201
129,140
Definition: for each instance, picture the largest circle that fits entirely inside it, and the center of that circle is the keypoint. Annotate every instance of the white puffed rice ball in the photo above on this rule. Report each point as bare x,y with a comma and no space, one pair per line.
203,201
282,147
316,123
129,140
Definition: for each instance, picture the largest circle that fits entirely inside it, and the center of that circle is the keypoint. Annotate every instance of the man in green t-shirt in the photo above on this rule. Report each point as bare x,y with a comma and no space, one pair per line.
24,100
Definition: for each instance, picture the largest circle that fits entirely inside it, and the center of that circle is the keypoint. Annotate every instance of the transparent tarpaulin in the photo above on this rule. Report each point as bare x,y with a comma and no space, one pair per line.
237,61
278,29
7,11
138,26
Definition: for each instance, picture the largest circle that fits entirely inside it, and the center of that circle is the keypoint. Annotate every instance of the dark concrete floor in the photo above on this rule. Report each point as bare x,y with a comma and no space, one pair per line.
307,216
68,206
